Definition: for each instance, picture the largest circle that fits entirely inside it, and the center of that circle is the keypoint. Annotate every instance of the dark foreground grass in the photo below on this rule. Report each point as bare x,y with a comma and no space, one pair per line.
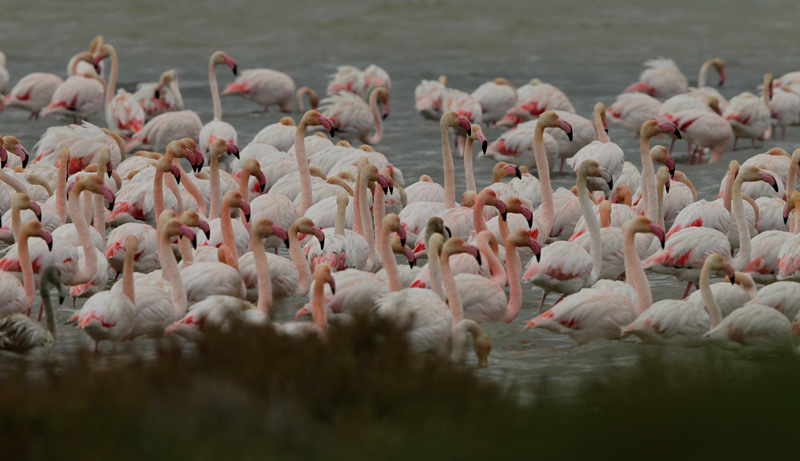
362,396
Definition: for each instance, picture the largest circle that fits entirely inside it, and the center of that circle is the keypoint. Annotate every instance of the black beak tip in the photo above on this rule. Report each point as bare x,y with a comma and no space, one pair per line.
235,70
672,173
61,299
262,187
469,132
50,245
178,179
677,133
530,223
333,290
25,162
538,256
504,215
39,217
663,243
606,130
484,146
286,242
247,217
449,232
775,186
721,82
569,135
391,190
478,257
157,94
384,116
111,205
785,219
385,190
194,242
733,280
322,244
518,173
666,188
411,264
610,185
402,242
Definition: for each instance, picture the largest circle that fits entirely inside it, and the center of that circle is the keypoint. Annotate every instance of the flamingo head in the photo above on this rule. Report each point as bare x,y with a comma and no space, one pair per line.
521,238
189,234
658,231
35,229
37,210
766,176
326,122
455,245
3,156
232,149
176,172
481,138
669,127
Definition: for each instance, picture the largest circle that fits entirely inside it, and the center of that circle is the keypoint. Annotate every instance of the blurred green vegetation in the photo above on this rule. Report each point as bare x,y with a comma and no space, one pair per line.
361,395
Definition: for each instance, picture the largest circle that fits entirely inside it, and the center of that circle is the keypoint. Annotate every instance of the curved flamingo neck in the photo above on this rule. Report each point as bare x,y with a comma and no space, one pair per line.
378,209
86,272
468,171
660,202
514,265
15,183
303,271
213,164
193,190
598,127
212,83
595,242
16,223
498,273
176,92
341,216
701,79
478,219
728,191
244,182
648,180
169,268
737,205
708,296
453,298
635,273
302,168
366,219
264,303
61,189
112,78
791,178
127,275
99,218
376,118
548,214
459,336
358,227
172,185
449,174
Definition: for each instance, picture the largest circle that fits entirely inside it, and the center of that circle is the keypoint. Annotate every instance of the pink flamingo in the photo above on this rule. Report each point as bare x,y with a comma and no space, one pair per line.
124,115
729,294
566,267
768,247
84,142
165,128
18,296
686,249
594,313
662,79
534,99
33,92
109,315
683,323
160,97
749,115
429,96
608,154
781,296
266,87
753,325
706,130
353,118
278,135
351,79
78,97
496,98
217,129
345,248
631,110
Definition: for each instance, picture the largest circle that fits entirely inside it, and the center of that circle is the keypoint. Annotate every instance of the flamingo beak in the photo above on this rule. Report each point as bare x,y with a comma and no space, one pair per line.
232,149
3,156
528,214
384,184
108,195
412,259
320,237
786,213
37,210
449,232
501,207
670,163
177,173
768,178
658,232
22,153
326,123
402,233
482,139
730,273
465,124
232,64
281,233
262,181
332,284
48,239
536,247
721,78
471,249
245,207
203,226
189,234
564,125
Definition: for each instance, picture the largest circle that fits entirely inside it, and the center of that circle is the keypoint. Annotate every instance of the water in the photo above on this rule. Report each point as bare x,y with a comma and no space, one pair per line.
590,50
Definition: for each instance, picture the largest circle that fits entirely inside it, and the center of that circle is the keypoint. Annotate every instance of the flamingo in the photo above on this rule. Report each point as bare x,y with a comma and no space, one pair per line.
686,249
702,89
217,129
631,110
84,143
33,92
267,87
124,115
278,135
607,154
226,231
78,97
351,79
784,108
534,99
165,128
594,313
496,98
662,79
353,118
345,248
431,324
19,333
18,296
109,315
704,129
681,322
781,296
3,74
476,135
429,96
729,295
753,325
163,96
749,115
566,267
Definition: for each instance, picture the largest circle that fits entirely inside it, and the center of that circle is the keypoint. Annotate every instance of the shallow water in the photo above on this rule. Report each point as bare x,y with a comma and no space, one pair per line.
590,50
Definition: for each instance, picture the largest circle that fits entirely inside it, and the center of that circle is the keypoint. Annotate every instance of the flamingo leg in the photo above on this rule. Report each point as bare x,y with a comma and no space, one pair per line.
686,291
116,276
670,146
41,309
735,140
544,296
561,168
559,299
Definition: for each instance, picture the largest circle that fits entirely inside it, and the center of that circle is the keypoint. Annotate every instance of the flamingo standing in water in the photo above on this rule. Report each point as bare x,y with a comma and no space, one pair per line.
534,99
749,115
353,118
217,128
124,115
351,79
267,87
33,92
162,96
496,98
631,110
79,96
594,313
429,96
662,79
